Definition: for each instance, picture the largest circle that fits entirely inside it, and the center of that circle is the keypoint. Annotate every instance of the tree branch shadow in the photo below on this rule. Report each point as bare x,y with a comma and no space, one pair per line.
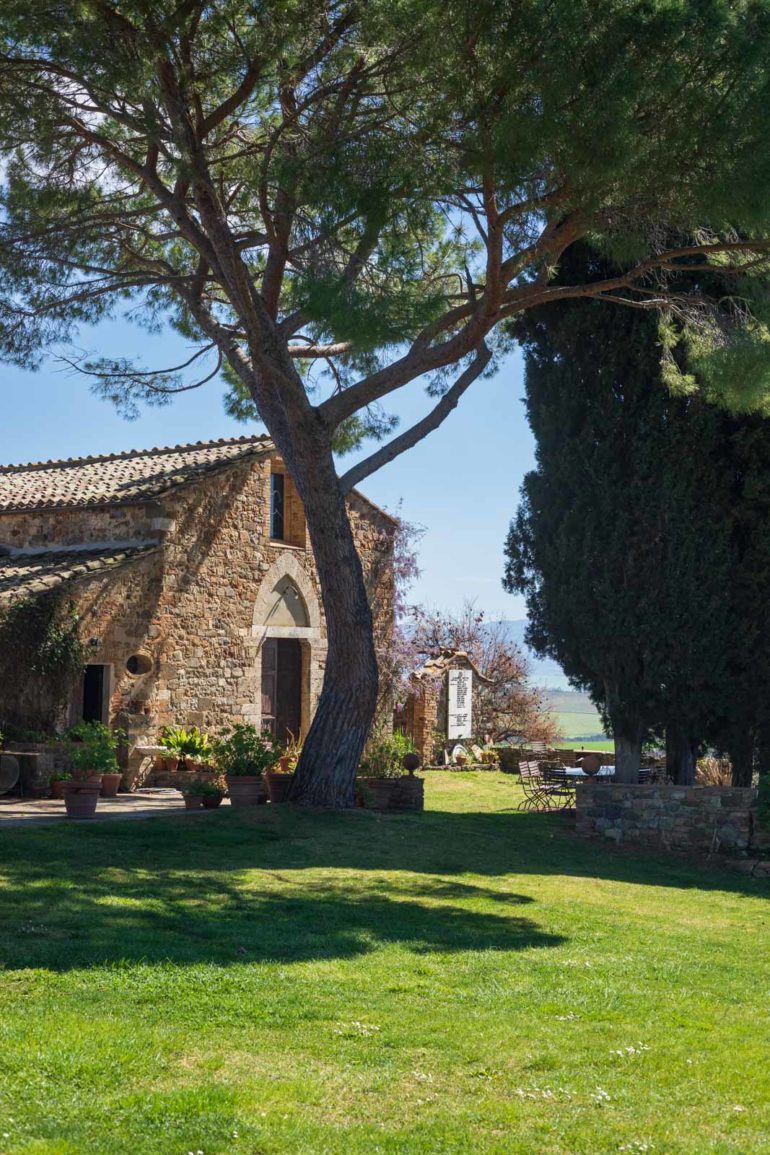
98,908
285,884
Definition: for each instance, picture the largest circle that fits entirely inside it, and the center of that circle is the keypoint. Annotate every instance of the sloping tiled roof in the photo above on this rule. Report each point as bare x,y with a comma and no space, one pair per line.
117,478
448,660
34,573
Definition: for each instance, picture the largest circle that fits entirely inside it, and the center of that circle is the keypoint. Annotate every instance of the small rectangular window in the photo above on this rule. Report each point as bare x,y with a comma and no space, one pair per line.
277,488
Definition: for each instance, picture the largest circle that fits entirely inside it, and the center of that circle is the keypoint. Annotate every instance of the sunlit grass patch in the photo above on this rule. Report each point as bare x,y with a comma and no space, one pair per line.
472,979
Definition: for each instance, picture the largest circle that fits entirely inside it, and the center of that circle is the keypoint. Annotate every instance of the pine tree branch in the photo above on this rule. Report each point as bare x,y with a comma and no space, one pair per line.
421,429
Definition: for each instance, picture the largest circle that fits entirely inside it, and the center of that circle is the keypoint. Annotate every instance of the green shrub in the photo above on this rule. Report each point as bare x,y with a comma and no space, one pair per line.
217,787
22,734
91,748
203,786
41,659
186,745
383,755
243,751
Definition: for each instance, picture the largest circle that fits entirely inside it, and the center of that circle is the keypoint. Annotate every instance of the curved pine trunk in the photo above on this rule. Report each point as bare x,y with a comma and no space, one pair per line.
332,749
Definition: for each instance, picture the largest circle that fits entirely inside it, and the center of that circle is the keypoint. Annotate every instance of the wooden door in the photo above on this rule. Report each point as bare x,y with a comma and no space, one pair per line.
282,687
94,693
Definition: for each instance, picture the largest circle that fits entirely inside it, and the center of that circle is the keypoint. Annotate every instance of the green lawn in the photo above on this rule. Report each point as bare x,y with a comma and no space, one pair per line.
469,980
605,744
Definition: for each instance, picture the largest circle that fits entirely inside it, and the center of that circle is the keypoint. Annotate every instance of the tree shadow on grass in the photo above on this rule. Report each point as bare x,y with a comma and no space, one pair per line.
61,915
493,844
290,885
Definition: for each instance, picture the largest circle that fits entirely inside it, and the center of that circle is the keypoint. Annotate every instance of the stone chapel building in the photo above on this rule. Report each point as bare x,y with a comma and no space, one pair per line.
191,571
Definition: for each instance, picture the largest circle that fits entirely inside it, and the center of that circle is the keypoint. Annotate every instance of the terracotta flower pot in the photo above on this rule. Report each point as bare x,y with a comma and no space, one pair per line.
193,801
111,785
57,788
245,789
278,785
81,797
211,801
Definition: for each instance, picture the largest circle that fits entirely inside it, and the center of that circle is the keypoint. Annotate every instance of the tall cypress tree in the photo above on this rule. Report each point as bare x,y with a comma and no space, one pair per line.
622,540
740,726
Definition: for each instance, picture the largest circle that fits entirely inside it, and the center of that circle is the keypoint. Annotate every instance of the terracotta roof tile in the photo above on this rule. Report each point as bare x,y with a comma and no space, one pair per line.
117,478
34,573
436,666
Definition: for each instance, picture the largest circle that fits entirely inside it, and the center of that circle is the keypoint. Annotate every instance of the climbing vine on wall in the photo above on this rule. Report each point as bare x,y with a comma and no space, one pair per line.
41,656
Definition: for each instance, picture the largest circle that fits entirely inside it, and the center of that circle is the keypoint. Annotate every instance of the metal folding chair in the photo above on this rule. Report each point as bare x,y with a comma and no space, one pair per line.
560,788
539,794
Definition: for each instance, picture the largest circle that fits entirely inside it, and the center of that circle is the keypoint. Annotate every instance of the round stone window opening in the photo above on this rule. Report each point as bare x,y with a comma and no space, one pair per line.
139,664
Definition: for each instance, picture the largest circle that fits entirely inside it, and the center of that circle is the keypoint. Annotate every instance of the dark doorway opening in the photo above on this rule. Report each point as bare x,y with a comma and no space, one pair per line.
282,687
94,692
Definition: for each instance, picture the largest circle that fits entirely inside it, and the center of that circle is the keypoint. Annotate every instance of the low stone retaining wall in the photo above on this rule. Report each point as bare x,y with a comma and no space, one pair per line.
711,819
404,793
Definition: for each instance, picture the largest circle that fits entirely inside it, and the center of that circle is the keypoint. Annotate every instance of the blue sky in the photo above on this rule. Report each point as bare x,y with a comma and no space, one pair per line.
461,483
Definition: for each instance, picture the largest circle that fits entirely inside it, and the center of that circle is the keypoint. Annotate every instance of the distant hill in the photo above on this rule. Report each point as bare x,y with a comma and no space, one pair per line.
543,672
576,714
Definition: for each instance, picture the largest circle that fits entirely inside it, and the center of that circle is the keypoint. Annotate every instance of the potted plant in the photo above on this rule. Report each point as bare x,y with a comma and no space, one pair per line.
243,755
56,783
170,761
278,778
190,747
213,792
381,783
91,748
193,791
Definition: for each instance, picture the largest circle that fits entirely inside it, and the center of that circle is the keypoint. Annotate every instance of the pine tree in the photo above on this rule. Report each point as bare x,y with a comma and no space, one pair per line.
332,200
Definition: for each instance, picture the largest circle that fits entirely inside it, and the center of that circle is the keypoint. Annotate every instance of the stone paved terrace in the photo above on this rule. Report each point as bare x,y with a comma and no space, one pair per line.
140,804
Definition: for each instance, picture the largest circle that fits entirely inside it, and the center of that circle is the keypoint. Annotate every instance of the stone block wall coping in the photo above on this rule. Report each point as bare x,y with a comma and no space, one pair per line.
687,818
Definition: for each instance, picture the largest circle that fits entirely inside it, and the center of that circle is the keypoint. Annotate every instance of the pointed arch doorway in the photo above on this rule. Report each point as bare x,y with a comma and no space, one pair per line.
282,687
290,649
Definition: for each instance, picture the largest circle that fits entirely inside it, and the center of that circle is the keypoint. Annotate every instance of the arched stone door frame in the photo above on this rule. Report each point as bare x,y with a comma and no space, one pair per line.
311,637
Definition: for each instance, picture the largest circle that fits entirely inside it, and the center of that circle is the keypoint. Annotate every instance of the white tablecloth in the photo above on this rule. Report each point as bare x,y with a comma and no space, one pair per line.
576,772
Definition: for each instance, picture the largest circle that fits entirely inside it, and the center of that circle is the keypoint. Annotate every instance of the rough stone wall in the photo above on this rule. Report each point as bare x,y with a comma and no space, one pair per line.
684,818
420,719
190,605
45,529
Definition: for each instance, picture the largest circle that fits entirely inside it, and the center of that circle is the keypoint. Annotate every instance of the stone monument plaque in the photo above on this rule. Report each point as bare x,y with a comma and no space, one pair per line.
460,704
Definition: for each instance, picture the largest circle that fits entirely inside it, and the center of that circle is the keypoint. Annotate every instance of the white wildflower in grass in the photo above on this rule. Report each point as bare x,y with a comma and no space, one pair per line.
738,1107
362,1030
543,1093
630,1051
601,1096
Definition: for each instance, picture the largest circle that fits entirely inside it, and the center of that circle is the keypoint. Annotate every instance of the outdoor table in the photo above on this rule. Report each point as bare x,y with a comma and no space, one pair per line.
576,772
564,779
